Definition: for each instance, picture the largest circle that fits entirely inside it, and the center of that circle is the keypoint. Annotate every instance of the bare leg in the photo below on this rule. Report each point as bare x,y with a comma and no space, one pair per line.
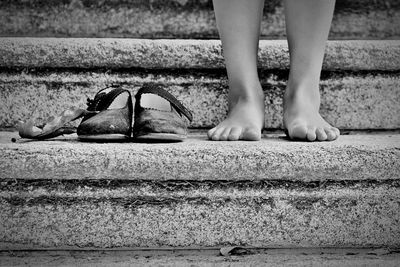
238,23
307,26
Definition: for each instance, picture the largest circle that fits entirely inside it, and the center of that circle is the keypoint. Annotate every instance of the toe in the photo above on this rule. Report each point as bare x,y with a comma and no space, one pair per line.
321,135
234,135
251,134
298,132
330,132
224,135
211,132
336,131
217,133
311,134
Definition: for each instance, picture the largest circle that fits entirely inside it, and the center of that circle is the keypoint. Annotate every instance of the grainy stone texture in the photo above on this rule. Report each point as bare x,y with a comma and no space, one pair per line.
364,19
352,157
273,193
358,215
203,258
349,100
182,54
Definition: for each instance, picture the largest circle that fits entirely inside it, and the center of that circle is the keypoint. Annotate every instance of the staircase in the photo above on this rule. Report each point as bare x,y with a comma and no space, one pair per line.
198,195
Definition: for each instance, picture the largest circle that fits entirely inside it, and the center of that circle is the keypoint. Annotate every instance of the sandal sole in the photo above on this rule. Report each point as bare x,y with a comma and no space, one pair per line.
105,137
160,137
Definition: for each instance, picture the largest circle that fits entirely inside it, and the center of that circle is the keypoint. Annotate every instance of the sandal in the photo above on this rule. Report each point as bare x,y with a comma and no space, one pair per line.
110,116
159,116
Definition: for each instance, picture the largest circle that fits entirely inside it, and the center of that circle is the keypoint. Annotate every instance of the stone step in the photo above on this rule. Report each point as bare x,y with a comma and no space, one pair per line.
273,193
360,81
204,258
349,100
363,19
352,157
89,53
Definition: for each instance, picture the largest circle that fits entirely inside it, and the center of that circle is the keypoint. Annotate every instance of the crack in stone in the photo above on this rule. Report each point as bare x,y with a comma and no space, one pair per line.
184,185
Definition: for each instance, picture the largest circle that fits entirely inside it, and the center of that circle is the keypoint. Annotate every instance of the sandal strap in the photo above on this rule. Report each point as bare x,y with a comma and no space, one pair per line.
158,90
101,102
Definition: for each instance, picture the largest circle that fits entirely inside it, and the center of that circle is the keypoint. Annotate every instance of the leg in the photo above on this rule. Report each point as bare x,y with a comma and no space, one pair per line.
307,26
238,23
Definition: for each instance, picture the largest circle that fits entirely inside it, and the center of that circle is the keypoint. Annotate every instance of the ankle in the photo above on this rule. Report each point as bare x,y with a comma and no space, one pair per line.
246,93
305,90
301,98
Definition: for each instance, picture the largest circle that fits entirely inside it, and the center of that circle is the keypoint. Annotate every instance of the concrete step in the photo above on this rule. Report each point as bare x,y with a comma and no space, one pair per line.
360,81
352,157
349,100
363,19
200,258
89,53
273,193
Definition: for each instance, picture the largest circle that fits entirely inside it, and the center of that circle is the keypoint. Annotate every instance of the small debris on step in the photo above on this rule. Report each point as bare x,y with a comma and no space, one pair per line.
237,251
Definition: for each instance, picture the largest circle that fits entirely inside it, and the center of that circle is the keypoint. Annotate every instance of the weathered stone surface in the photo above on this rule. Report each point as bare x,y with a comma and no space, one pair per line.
352,157
203,258
349,100
364,19
273,193
182,54
71,215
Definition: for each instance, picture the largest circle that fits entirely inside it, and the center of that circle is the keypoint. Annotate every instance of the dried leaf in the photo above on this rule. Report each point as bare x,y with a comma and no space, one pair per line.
27,129
55,126
227,251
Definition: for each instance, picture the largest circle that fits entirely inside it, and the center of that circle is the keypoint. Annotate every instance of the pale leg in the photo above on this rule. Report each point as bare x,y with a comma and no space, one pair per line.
238,23
307,25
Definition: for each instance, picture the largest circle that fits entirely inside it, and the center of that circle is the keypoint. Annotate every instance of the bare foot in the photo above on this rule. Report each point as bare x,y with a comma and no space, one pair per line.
245,120
302,120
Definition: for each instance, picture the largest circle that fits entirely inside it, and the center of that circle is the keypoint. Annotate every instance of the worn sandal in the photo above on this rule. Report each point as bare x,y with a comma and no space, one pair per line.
110,116
159,116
